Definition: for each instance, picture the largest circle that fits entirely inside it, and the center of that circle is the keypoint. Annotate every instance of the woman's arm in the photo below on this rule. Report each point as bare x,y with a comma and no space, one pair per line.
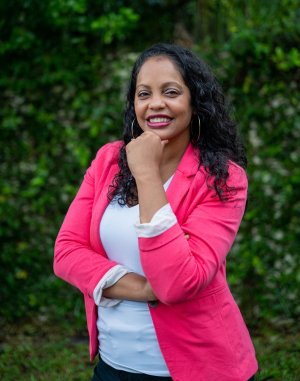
177,269
76,262
131,286
144,156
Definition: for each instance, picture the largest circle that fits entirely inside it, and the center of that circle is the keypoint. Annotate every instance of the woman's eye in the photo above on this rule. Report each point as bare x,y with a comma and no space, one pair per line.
143,94
172,92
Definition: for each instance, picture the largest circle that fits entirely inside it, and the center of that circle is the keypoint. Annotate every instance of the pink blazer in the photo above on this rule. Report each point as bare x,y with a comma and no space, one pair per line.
199,327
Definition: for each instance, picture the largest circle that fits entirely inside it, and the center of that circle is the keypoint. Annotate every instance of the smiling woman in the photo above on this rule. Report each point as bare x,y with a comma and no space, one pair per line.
163,102
146,237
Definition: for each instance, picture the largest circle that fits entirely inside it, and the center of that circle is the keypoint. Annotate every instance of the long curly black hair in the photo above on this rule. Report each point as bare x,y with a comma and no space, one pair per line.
219,141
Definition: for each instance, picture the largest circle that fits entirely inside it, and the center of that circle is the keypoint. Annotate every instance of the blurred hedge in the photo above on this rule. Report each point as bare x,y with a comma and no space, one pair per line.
260,68
62,82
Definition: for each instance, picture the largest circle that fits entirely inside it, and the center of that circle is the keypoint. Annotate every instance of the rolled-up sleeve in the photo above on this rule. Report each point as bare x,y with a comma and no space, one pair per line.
162,220
108,280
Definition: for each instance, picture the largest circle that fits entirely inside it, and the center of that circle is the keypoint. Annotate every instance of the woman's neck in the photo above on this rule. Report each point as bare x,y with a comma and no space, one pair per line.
171,158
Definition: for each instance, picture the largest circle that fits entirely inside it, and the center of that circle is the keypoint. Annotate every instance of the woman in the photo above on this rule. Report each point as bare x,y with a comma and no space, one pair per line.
147,235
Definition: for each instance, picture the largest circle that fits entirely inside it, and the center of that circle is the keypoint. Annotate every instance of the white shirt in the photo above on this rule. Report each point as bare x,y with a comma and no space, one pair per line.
126,332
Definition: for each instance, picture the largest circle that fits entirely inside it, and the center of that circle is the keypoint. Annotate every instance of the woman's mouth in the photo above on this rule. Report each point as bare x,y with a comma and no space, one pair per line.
158,121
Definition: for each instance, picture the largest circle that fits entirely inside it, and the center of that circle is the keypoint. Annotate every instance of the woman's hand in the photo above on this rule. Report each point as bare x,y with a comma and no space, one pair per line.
144,154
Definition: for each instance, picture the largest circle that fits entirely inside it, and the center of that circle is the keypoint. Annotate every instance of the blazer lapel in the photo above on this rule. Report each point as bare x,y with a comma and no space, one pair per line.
99,208
183,177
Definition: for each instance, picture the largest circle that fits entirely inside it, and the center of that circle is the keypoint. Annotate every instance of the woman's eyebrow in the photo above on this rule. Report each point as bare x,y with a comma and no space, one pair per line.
142,85
164,84
172,84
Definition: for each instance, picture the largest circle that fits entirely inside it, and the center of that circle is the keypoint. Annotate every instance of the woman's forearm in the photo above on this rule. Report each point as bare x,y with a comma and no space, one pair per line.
131,286
152,195
144,156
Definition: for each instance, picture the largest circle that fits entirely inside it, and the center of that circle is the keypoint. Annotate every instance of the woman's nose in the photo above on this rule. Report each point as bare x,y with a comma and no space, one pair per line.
156,103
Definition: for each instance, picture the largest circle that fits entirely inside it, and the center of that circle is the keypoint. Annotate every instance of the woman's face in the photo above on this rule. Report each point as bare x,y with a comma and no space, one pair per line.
162,100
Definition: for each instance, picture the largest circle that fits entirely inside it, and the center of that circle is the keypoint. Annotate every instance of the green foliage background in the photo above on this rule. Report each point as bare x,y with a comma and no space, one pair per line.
64,71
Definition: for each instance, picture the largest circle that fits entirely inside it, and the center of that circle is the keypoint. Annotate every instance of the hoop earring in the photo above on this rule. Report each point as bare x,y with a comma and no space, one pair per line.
133,137
199,128
195,140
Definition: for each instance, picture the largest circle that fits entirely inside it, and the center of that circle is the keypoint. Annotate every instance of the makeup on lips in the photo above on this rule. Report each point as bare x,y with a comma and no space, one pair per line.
158,121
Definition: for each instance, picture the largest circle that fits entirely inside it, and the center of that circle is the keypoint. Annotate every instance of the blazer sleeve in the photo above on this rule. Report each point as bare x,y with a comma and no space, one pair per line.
75,261
178,269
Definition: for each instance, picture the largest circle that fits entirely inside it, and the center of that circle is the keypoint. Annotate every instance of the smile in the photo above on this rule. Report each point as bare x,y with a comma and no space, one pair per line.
159,120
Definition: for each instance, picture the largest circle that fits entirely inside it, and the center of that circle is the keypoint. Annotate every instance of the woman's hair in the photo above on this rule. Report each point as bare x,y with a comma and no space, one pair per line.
219,141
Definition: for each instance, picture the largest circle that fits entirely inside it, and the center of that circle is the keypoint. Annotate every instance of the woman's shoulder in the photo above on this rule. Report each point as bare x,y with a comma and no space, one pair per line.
236,181
109,151
237,174
235,171
110,148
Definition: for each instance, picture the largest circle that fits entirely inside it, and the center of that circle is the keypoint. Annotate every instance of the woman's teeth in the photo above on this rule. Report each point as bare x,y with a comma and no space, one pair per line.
159,120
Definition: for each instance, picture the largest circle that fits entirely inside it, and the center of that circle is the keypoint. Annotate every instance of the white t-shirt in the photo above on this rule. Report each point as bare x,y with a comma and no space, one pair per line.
126,333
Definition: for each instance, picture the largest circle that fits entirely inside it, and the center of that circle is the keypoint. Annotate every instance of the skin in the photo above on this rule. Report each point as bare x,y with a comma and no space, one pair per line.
154,156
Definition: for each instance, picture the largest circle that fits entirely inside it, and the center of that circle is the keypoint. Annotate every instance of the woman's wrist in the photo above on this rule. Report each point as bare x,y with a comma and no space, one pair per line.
147,176
149,294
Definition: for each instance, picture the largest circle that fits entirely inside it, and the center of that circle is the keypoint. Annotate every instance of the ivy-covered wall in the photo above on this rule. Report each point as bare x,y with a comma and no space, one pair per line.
64,70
